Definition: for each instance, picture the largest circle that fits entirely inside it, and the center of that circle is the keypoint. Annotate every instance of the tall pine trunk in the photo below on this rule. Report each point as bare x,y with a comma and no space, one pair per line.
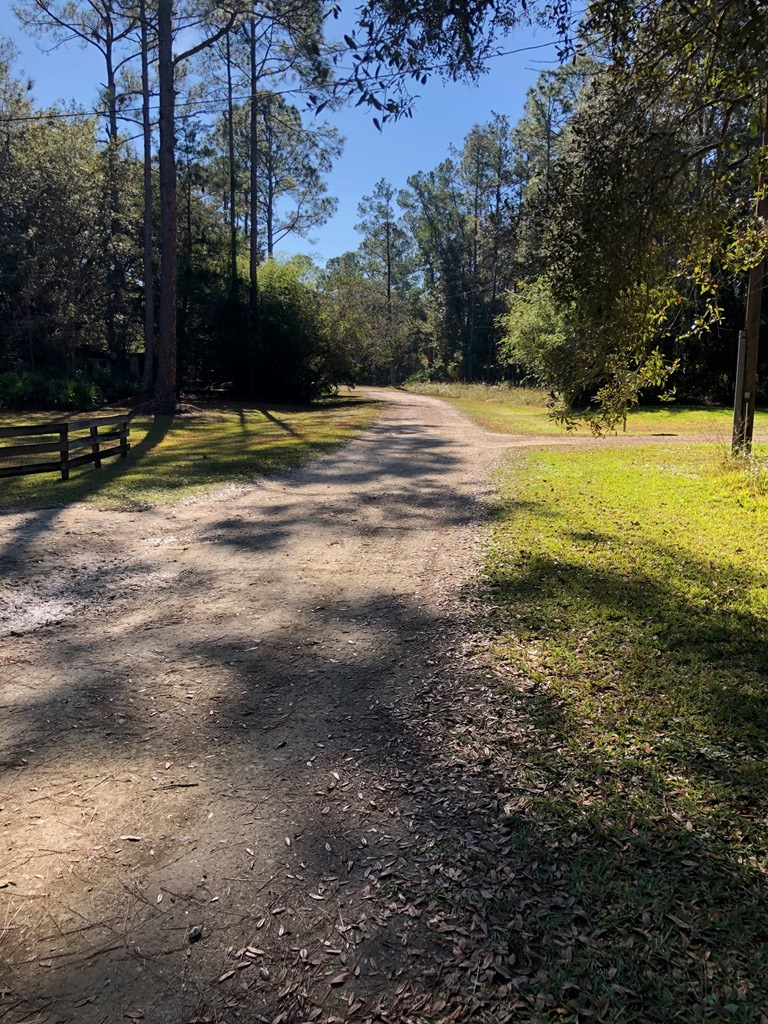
253,295
149,285
233,282
165,387
116,271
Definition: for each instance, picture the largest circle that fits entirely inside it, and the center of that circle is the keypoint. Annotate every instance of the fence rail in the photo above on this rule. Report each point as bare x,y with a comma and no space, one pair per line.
14,458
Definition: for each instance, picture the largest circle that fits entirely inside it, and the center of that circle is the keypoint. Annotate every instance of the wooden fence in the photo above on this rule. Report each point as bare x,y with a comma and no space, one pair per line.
43,439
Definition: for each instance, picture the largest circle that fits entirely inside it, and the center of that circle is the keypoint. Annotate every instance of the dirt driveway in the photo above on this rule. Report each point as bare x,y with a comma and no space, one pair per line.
204,730
243,771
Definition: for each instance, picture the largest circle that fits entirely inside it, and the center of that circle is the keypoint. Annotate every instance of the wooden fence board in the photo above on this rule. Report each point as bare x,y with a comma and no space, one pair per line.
29,449
40,467
32,428
82,460
106,421
86,442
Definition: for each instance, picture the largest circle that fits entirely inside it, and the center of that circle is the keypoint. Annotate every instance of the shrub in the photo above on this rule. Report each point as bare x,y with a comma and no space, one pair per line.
76,393
296,361
24,390
28,390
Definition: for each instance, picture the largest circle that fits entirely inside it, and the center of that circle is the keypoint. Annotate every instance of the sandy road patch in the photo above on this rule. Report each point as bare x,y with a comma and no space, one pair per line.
198,732
218,718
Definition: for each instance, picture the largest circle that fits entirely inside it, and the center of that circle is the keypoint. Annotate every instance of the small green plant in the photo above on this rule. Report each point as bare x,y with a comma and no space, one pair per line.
754,472
24,390
76,393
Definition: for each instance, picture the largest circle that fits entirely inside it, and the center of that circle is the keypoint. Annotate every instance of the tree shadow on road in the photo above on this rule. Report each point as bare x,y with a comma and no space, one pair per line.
380,818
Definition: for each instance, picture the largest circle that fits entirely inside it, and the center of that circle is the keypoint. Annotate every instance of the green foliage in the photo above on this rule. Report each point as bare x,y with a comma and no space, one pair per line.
68,264
461,215
547,339
293,159
537,336
77,393
296,358
24,390
519,410
27,390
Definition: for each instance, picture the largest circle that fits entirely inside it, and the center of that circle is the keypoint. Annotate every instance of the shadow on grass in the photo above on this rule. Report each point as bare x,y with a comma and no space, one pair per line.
196,452
669,646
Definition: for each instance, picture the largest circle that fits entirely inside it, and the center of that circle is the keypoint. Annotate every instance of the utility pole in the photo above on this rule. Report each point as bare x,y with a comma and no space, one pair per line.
749,338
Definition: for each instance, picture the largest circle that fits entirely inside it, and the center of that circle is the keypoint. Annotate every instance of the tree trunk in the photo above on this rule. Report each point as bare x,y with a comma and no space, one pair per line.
473,297
495,269
115,271
233,289
149,287
165,388
269,214
746,384
253,295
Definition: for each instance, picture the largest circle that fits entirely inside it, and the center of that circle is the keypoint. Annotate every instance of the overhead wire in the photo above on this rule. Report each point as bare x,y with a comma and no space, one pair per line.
125,112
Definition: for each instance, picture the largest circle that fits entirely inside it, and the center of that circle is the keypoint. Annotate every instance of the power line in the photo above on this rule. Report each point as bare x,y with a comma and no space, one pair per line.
123,113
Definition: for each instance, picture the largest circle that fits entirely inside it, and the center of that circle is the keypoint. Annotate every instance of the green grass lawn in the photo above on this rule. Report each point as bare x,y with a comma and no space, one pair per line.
524,411
173,457
627,606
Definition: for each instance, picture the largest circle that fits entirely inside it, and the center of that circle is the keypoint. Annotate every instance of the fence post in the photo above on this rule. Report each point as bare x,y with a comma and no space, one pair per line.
124,446
94,432
64,450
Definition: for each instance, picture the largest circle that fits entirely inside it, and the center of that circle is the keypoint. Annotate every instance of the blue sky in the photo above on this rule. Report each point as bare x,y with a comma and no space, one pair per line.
443,115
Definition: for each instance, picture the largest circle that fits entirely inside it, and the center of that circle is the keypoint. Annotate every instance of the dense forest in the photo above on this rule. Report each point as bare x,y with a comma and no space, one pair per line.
600,247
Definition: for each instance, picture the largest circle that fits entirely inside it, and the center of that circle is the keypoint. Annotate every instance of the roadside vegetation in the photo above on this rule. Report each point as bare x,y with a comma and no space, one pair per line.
172,457
511,410
627,606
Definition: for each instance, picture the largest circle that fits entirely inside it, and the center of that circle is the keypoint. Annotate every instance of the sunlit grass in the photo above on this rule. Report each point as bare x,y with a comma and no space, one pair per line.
627,600
507,410
174,457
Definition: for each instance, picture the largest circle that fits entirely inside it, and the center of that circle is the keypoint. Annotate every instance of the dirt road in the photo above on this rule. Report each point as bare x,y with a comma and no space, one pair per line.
243,763
203,728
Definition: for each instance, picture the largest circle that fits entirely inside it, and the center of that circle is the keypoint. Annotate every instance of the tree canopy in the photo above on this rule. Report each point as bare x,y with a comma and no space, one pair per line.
600,247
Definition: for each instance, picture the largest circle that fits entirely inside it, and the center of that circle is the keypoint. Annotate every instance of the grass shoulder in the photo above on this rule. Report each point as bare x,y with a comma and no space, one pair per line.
172,457
626,597
507,410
